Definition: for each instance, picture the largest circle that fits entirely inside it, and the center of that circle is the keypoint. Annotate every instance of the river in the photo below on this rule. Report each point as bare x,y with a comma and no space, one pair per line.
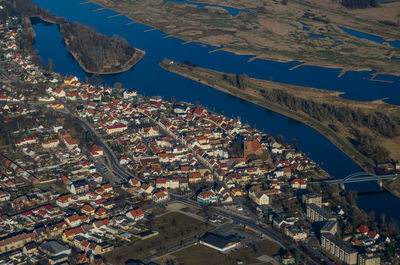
148,78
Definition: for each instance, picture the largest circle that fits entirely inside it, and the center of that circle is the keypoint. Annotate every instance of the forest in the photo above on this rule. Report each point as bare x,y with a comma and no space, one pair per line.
96,52
359,3
29,9
377,122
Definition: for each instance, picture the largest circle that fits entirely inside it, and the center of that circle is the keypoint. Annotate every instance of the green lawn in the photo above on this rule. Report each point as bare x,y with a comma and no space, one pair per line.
173,228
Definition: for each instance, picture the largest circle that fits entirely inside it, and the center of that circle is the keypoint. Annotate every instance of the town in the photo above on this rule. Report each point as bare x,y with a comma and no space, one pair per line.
91,174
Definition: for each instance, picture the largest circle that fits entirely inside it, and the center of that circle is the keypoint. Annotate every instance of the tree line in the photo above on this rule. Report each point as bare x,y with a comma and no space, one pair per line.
377,122
359,3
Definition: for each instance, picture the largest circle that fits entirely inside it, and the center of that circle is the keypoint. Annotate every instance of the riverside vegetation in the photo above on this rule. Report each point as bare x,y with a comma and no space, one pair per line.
366,131
281,30
95,52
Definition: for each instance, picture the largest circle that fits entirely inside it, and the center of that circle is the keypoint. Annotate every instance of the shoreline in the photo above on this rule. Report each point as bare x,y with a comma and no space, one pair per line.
256,56
278,109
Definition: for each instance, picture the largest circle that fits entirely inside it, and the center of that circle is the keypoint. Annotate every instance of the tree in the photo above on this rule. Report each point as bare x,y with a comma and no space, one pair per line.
117,85
51,65
241,81
96,80
280,138
294,143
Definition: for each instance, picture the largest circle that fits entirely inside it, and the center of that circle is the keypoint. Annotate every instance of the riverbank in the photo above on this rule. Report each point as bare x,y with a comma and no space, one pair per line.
215,79
279,37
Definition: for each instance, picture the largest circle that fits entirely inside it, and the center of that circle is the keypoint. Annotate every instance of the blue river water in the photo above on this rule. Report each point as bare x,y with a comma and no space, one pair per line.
148,78
374,38
231,10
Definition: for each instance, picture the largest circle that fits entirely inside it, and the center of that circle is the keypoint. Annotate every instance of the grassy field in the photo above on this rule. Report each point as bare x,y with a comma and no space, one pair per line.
202,255
339,137
272,30
173,227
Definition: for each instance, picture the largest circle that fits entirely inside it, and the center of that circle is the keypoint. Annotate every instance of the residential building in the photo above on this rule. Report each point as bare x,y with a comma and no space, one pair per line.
207,197
262,197
136,214
309,198
368,259
317,214
339,249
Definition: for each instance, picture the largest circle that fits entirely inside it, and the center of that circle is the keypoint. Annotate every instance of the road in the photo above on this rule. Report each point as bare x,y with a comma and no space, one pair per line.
109,154
261,228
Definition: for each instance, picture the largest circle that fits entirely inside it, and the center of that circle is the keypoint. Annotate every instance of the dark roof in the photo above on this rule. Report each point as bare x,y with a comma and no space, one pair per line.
219,241
133,262
80,183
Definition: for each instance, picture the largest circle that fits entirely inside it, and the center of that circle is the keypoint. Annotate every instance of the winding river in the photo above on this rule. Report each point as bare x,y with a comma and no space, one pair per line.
148,78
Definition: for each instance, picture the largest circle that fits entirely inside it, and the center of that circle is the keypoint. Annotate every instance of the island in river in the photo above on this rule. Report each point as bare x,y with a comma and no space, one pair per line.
95,52
368,132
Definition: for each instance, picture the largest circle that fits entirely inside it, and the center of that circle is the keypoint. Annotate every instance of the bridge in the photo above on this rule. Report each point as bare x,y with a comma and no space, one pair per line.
356,177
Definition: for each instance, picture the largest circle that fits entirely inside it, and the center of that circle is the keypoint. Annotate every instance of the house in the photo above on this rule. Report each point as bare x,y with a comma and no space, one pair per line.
87,209
59,93
96,151
52,143
288,259
136,214
71,233
64,200
207,197
57,105
134,182
54,248
118,128
101,213
14,242
78,187
70,142
4,196
160,196
147,188
262,197
151,131
30,249
363,229
252,147
73,220
298,184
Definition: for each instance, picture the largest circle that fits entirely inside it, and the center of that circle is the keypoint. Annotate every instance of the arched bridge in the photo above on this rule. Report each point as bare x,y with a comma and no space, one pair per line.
356,177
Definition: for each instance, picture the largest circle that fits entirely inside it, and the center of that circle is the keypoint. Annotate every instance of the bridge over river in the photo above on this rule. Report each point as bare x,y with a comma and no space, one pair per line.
357,177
